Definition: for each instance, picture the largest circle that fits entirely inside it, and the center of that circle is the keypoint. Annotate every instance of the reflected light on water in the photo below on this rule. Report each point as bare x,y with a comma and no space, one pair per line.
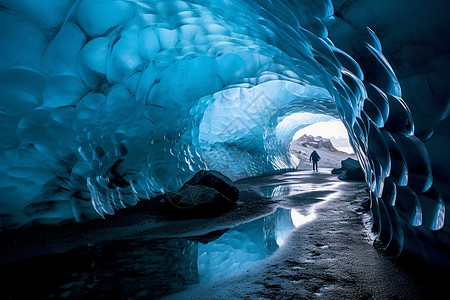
298,219
243,246
163,266
276,191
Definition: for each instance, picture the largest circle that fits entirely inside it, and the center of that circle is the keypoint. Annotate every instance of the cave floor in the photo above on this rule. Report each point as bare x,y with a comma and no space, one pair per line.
329,257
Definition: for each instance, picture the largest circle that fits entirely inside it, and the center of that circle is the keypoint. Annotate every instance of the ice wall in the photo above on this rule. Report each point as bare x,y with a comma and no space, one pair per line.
108,102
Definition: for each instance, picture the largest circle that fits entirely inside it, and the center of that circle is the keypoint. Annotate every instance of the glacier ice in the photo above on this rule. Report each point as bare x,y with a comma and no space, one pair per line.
108,102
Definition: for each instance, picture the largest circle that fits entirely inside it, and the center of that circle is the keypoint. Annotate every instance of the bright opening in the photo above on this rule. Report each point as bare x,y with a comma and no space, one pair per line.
333,130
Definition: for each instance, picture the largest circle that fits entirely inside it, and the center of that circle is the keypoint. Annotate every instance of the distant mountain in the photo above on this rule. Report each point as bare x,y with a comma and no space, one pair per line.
317,142
330,156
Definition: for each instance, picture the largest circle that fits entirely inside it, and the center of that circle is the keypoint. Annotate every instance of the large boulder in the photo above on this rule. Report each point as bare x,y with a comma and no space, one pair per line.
350,170
197,200
208,193
217,181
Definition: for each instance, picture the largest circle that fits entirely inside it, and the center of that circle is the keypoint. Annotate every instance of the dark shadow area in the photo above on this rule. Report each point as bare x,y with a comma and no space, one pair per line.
148,268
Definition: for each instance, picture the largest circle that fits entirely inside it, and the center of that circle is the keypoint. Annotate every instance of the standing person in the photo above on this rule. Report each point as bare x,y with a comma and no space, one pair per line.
315,158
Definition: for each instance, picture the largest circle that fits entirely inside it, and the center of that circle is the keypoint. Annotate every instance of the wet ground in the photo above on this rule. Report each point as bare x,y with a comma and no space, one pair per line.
330,257
298,235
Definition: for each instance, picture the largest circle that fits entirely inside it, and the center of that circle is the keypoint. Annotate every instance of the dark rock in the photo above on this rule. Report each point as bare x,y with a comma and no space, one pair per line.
197,200
208,193
217,181
350,170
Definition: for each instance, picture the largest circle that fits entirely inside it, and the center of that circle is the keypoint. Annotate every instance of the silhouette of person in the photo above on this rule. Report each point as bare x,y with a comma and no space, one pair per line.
315,158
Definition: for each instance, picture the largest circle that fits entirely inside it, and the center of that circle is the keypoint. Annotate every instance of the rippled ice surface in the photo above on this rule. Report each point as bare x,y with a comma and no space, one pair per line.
151,267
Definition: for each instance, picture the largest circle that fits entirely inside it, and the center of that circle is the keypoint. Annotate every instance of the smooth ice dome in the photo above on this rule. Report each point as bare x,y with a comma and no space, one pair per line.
105,103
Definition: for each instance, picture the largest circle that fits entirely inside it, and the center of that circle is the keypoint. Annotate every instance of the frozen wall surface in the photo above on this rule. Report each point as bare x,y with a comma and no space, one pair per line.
106,102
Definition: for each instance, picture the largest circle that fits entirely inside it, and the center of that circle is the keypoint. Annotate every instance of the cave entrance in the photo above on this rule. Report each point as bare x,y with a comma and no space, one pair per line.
333,130
328,138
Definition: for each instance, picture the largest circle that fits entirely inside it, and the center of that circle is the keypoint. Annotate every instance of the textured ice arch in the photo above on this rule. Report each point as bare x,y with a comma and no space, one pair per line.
108,102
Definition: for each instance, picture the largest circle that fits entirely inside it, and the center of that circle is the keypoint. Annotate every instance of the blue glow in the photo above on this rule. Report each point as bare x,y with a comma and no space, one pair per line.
243,246
106,102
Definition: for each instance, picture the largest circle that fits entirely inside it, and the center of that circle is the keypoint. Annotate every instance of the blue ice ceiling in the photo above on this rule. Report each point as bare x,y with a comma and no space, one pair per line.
104,103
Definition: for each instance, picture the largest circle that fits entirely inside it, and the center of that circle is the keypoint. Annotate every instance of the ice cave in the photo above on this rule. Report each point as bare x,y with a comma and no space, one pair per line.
106,103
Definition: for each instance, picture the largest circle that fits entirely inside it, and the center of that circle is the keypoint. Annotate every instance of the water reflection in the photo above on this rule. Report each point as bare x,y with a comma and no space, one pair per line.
298,219
277,191
242,246
151,268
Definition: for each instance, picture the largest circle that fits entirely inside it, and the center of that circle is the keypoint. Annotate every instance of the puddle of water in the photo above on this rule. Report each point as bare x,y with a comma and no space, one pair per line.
150,268
277,191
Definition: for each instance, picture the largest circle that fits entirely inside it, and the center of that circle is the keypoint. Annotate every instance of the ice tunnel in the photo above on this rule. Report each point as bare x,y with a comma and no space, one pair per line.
107,102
